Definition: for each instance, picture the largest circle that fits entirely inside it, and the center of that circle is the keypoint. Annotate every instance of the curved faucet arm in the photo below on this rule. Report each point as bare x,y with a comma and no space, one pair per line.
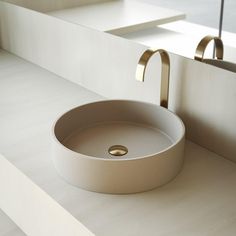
200,50
165,72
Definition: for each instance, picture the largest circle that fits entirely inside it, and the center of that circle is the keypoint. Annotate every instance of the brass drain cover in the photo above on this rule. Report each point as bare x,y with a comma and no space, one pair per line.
118,150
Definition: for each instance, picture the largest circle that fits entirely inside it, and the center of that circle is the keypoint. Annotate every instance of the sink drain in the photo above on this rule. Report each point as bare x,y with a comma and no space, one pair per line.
118,150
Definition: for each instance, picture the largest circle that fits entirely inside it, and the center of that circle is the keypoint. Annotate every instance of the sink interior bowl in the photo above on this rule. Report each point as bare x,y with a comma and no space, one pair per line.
118,146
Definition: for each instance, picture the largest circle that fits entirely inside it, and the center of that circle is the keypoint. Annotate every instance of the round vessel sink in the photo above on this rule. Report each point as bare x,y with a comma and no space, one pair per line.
118,146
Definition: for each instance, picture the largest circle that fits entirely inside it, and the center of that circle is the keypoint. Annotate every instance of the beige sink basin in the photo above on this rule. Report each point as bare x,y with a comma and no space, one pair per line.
118,146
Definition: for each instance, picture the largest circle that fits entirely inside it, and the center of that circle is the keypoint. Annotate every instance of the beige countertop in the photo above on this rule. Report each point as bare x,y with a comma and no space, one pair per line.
199,201
182,37
118,16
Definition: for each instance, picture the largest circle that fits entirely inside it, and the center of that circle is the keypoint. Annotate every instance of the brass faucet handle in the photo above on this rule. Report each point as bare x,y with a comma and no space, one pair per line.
165,72
200,50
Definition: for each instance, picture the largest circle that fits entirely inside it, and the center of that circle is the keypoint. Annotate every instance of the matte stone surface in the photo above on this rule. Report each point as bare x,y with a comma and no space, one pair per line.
204,12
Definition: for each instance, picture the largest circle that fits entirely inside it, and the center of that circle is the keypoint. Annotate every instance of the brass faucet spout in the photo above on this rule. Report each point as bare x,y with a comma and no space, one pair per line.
165,72
200,50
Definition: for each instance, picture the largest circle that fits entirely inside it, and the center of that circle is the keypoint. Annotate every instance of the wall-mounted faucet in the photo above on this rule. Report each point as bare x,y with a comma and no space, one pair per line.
201,47
165,72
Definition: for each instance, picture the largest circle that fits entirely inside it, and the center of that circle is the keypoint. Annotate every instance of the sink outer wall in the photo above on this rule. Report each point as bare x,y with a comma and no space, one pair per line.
118,176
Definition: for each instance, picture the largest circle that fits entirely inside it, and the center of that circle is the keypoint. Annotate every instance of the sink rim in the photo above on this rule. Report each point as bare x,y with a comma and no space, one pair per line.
182,135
